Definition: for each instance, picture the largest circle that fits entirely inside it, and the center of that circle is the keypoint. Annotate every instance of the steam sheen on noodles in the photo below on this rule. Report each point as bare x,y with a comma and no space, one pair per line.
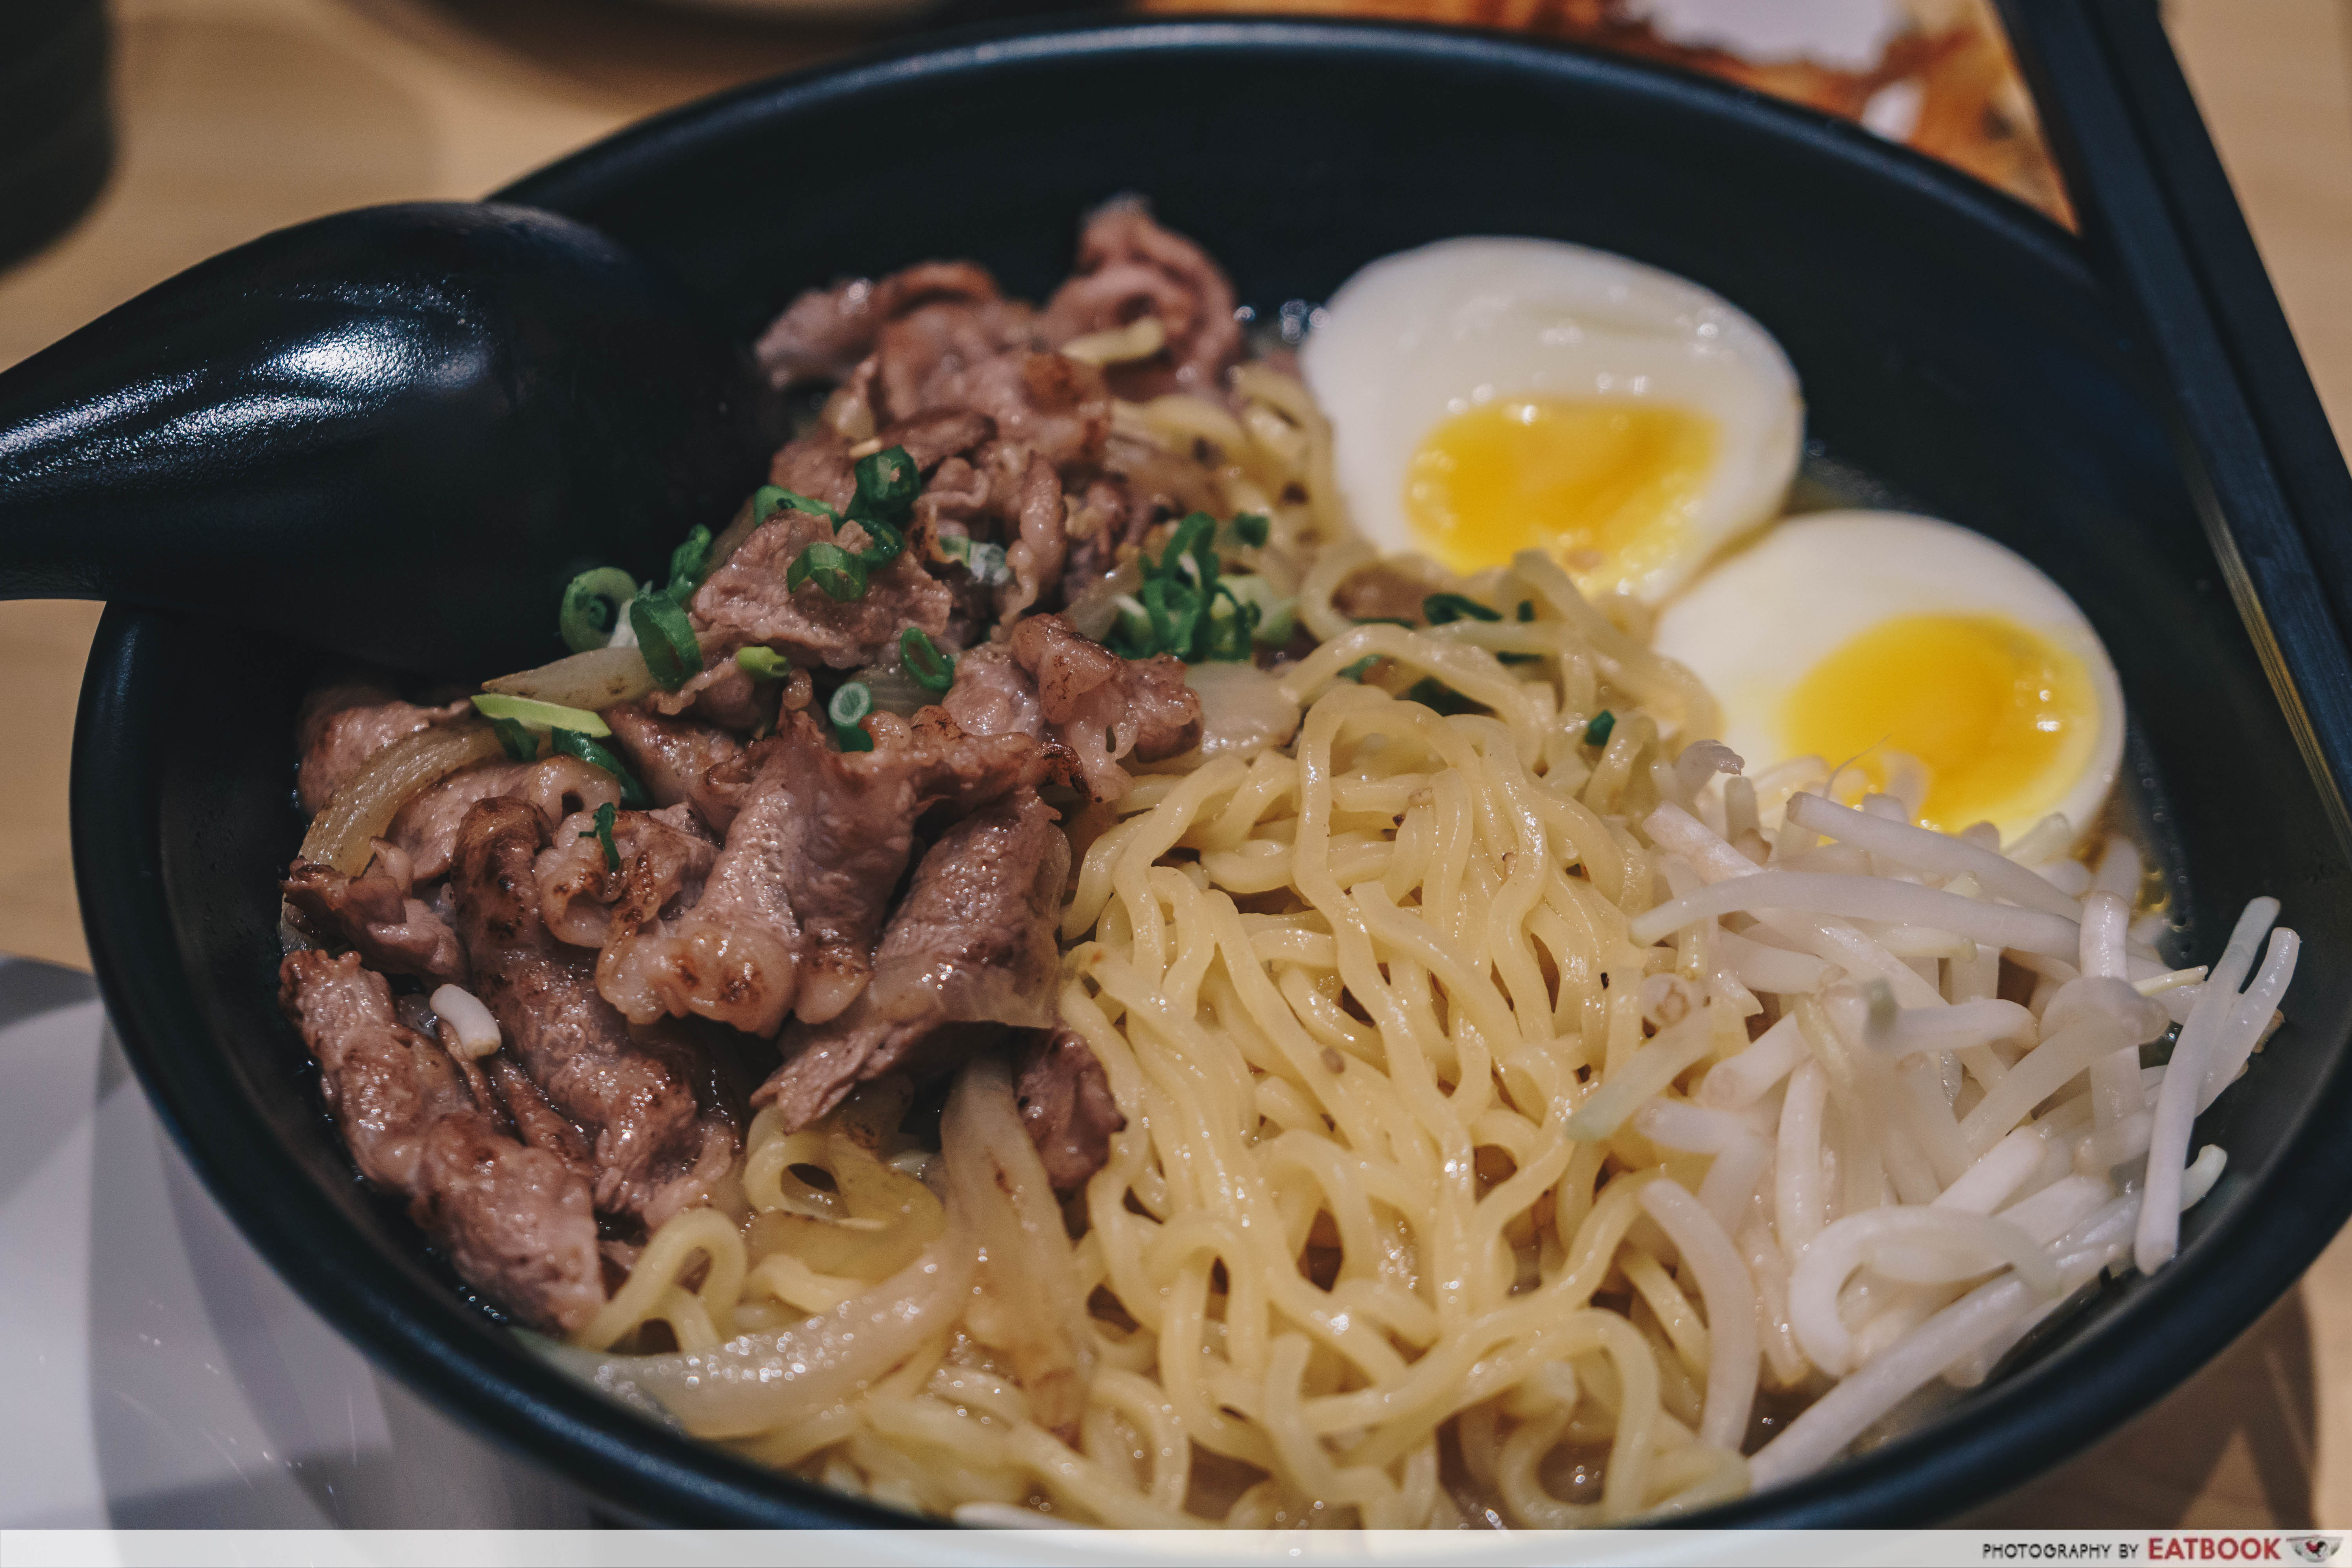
1517,1106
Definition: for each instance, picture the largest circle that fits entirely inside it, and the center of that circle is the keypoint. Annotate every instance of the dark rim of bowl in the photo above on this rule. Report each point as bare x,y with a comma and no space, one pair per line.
2300,1196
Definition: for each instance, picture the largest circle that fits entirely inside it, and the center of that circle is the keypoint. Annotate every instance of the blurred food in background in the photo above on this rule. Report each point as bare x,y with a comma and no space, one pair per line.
1937,74
57,135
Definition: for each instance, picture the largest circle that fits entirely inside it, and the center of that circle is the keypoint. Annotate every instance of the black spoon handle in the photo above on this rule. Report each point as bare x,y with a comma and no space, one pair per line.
392,434
2167,235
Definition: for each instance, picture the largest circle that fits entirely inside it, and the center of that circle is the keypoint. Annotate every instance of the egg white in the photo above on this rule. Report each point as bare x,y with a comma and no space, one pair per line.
1419,336
1754,626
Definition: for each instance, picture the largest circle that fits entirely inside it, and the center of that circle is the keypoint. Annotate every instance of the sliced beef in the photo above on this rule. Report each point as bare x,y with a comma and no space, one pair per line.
425,828
1090,706
928,358
1040,549
514,1220
579,883
1041,403
722,693
788,914
378,914
675,758
932,437
824,333
342,725
968,952
535,1121
818,466
1066,1106
633,1096
1128,268
994,696
746,601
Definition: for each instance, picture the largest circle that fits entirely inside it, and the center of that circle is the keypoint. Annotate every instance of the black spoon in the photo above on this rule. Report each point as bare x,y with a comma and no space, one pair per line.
393,433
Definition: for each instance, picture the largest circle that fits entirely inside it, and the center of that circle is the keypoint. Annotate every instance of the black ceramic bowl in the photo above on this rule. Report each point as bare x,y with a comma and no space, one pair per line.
1951,345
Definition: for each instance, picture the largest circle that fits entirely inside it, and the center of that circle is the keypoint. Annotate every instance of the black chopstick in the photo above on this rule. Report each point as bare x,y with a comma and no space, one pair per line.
2167,238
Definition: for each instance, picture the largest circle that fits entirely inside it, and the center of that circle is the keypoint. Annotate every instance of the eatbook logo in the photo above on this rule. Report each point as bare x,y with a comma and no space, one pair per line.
2316,1548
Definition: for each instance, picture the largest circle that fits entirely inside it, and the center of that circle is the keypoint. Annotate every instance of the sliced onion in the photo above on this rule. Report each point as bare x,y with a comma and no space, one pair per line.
1095,609
1036,1301
364,807
1243,709
600,679
754,1382
895,692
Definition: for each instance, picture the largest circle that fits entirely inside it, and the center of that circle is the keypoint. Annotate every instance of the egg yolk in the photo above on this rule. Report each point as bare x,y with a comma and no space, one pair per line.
2004,720
1603,485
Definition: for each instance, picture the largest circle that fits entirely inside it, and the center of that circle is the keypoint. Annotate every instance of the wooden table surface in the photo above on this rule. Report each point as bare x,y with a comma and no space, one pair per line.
239,116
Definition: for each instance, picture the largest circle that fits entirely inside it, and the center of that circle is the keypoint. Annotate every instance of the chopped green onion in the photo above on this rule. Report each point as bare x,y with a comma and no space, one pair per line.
1185,608
1431,693
887,542
593,603
533,714
1597,732
1508,658
1278,616
763,663
690,563
1444,608
1526,609
1188,551
1230,629
888,483
572,743
602,834
852,702
768,499
926,665
666,639
1385,621
840,574
1362,668
522,744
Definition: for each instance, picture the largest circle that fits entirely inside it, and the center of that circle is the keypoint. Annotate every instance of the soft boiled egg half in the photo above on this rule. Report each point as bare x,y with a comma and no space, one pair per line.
1855,636
1493,396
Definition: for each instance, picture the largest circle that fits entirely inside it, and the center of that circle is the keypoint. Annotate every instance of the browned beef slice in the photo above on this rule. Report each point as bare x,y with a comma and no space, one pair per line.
535,1121
1040,548
933,436
1129,267
1094,707
824,333
579,883
970,951
342,725
515,1221
922,360
994,696
857,831
1066,1105
378,914
747,601
675,756
722,693
638,1109
426,829
788,914
818,466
